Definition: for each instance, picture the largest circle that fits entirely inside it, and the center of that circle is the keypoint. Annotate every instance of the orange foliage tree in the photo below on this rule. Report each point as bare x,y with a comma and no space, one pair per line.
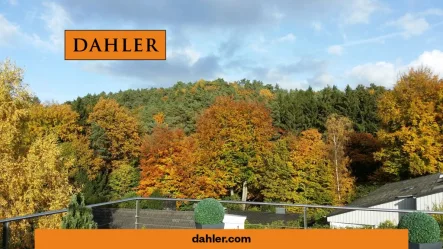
232,135
168,164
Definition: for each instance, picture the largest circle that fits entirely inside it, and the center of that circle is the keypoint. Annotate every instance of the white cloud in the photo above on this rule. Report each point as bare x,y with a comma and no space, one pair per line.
360,11
57,20
287,38
317,26
431,12
13,2
335,50
278,16
414,28
386,74
380,73
9,32
259,45
411,25
432,59
321,80
187,55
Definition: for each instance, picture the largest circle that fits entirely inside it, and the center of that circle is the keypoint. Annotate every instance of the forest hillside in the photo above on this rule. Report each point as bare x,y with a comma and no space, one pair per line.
228,140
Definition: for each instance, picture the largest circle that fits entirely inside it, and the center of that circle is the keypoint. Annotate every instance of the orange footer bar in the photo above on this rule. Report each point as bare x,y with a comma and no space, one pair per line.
214,239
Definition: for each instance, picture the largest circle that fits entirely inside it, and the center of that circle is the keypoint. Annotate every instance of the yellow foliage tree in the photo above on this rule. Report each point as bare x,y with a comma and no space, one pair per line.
15,100
159,118
32,178
412,121
54,118
338,131
120,128
313,171
35,183
267,94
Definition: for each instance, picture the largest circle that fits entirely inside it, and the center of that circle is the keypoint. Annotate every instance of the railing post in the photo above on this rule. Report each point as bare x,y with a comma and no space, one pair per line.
5,235
137,209
305,218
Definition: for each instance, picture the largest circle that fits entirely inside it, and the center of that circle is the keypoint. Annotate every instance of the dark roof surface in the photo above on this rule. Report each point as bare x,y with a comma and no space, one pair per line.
416,187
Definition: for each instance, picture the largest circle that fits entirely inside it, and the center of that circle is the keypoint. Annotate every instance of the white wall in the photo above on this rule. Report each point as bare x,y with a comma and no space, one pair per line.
234,221
344,225
373,218
427,202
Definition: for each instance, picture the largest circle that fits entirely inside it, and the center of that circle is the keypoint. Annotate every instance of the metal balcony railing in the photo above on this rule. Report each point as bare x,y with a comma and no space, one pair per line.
6,222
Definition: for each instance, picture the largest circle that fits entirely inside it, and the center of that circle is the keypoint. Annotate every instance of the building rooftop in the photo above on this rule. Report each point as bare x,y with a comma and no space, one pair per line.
411,188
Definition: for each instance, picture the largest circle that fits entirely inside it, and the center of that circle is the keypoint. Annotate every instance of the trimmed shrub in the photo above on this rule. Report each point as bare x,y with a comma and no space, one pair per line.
209,211
422,227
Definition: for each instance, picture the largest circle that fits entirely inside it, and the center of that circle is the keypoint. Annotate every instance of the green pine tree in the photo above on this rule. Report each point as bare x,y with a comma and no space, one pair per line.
79,216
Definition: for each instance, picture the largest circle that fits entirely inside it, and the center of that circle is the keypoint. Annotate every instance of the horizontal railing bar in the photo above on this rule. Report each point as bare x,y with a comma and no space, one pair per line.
30,216
302,205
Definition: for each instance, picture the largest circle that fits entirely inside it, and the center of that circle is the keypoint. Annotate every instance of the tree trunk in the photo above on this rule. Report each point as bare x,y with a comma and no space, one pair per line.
336,168
244,195
232,192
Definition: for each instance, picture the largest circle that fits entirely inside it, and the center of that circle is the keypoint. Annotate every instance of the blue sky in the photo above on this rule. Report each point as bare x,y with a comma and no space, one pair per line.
293,43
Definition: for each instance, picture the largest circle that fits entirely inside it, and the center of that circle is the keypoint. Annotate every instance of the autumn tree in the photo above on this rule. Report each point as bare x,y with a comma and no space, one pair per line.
43,185
32,177
114,132
62,121
276,177
168,163
123,180
15,100
338,129
232,134
411,134
159,118
298,170
313,168
54,118
360,149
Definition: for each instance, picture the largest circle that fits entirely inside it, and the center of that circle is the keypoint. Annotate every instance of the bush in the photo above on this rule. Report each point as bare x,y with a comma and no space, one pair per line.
387,225
439,217
422,227
267,208
320,226
144,204
79,216
185,206
209,211
231,206
253,226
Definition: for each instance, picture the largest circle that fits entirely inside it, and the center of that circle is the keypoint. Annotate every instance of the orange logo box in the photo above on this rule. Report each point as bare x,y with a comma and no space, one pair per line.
218,239
115,44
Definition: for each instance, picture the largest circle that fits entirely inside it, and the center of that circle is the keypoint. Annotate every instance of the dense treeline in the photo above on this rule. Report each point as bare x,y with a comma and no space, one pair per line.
240,140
